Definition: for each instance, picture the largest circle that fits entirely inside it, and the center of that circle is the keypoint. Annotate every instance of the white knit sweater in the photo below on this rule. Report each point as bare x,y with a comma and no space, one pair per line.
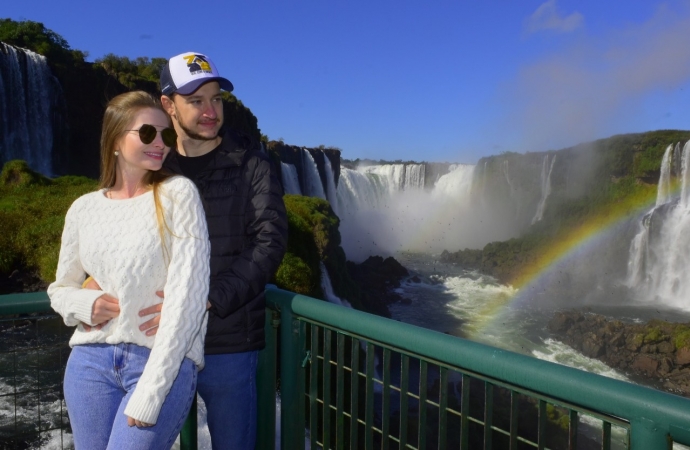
117,242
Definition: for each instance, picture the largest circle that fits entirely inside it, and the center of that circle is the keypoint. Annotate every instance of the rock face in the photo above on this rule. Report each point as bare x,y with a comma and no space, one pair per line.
377,278
657,352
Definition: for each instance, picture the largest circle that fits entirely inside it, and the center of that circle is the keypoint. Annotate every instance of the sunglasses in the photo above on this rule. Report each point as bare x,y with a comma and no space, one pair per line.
147,133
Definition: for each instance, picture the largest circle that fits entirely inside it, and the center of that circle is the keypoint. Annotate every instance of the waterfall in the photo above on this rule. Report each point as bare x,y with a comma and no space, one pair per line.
312,181
29,97
399,177
505,172
359,191
330,185
658,257
664,190
327,288
290,179
385,209
545,187
456,184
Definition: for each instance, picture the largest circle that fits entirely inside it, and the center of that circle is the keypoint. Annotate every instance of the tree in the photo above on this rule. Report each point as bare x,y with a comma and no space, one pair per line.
36,37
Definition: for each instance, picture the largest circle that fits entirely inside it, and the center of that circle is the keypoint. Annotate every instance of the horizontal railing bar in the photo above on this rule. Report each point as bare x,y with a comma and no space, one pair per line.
24,303
594,392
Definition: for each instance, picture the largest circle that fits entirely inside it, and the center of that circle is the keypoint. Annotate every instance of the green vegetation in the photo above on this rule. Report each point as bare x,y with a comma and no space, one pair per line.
32,210
653,335
37,38
681,337
313,236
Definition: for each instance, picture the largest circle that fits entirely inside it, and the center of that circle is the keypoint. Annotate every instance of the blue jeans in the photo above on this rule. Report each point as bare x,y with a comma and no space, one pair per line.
99,380
228,387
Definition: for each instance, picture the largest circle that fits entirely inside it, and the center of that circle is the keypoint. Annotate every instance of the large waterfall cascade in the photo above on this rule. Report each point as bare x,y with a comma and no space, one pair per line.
29,94
546,170
659,257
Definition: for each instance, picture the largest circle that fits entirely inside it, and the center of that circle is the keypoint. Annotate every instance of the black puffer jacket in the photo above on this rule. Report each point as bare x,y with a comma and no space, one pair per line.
247,227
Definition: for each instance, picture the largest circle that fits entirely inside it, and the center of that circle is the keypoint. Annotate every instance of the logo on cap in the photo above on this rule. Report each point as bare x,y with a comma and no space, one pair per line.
197,64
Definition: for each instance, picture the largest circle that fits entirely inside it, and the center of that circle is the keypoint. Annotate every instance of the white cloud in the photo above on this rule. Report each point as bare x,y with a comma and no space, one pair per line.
546,17
579,92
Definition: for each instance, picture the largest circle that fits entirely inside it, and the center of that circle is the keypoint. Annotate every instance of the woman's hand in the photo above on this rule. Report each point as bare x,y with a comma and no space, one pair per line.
132,422
105,307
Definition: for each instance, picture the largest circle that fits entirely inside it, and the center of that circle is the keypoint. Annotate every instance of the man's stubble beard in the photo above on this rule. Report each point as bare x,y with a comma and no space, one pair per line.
192,135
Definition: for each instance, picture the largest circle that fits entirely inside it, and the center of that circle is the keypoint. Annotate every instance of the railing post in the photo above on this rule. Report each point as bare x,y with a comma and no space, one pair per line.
291,381
266,384
188,434
648,435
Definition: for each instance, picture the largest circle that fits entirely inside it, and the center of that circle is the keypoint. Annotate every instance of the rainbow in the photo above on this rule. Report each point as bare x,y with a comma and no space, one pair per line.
590,232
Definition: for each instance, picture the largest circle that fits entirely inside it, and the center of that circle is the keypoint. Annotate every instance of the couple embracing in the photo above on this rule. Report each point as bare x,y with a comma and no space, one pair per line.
178,243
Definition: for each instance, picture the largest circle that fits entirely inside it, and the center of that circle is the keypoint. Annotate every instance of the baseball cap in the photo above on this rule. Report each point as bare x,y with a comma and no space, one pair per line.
184,73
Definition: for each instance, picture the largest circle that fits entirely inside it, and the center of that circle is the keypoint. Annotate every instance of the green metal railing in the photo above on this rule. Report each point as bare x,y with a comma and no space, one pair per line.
431,390
348,379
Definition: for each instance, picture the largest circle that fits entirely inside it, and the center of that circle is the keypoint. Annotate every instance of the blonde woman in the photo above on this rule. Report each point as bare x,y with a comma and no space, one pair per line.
143,231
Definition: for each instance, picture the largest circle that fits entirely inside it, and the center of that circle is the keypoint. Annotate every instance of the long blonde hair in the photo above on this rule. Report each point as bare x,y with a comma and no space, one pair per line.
119,114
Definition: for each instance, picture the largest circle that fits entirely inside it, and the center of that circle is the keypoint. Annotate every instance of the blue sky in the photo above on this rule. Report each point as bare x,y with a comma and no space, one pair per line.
415,80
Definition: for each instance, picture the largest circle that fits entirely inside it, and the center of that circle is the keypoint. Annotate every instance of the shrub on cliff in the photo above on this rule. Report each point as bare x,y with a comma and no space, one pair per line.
313,236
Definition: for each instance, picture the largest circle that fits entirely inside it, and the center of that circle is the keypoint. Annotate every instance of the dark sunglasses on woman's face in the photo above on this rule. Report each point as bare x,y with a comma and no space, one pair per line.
147,133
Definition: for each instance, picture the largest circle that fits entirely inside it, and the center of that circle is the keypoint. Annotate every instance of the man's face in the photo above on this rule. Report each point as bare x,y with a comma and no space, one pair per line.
198,115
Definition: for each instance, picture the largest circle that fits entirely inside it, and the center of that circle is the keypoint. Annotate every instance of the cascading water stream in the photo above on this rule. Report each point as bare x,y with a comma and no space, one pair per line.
327,288
312,181
664,190
29,97
546,170
290,179
330,185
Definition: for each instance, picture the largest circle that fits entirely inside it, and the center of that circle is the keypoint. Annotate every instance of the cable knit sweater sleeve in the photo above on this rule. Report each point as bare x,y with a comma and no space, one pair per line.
67,297
184,308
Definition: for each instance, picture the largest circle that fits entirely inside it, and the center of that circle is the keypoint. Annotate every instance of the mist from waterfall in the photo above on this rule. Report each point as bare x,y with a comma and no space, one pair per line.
386,209
290,179
29,97
659,256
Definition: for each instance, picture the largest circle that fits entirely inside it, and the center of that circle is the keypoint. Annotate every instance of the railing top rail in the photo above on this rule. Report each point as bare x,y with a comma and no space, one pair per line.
606,395
24,303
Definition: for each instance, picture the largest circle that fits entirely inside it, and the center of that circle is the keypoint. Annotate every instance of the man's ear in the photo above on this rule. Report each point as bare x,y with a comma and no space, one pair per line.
168,105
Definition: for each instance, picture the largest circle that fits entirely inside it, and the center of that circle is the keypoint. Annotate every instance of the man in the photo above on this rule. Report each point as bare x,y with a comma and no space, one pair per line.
247,227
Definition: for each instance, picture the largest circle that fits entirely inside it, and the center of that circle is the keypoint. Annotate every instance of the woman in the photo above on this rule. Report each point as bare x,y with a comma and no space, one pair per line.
143,231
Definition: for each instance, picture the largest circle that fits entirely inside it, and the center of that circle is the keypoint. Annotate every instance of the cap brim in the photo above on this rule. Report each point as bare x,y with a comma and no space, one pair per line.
192,86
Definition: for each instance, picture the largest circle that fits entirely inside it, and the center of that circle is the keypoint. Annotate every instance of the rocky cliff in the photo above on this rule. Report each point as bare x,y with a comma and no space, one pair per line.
657,352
